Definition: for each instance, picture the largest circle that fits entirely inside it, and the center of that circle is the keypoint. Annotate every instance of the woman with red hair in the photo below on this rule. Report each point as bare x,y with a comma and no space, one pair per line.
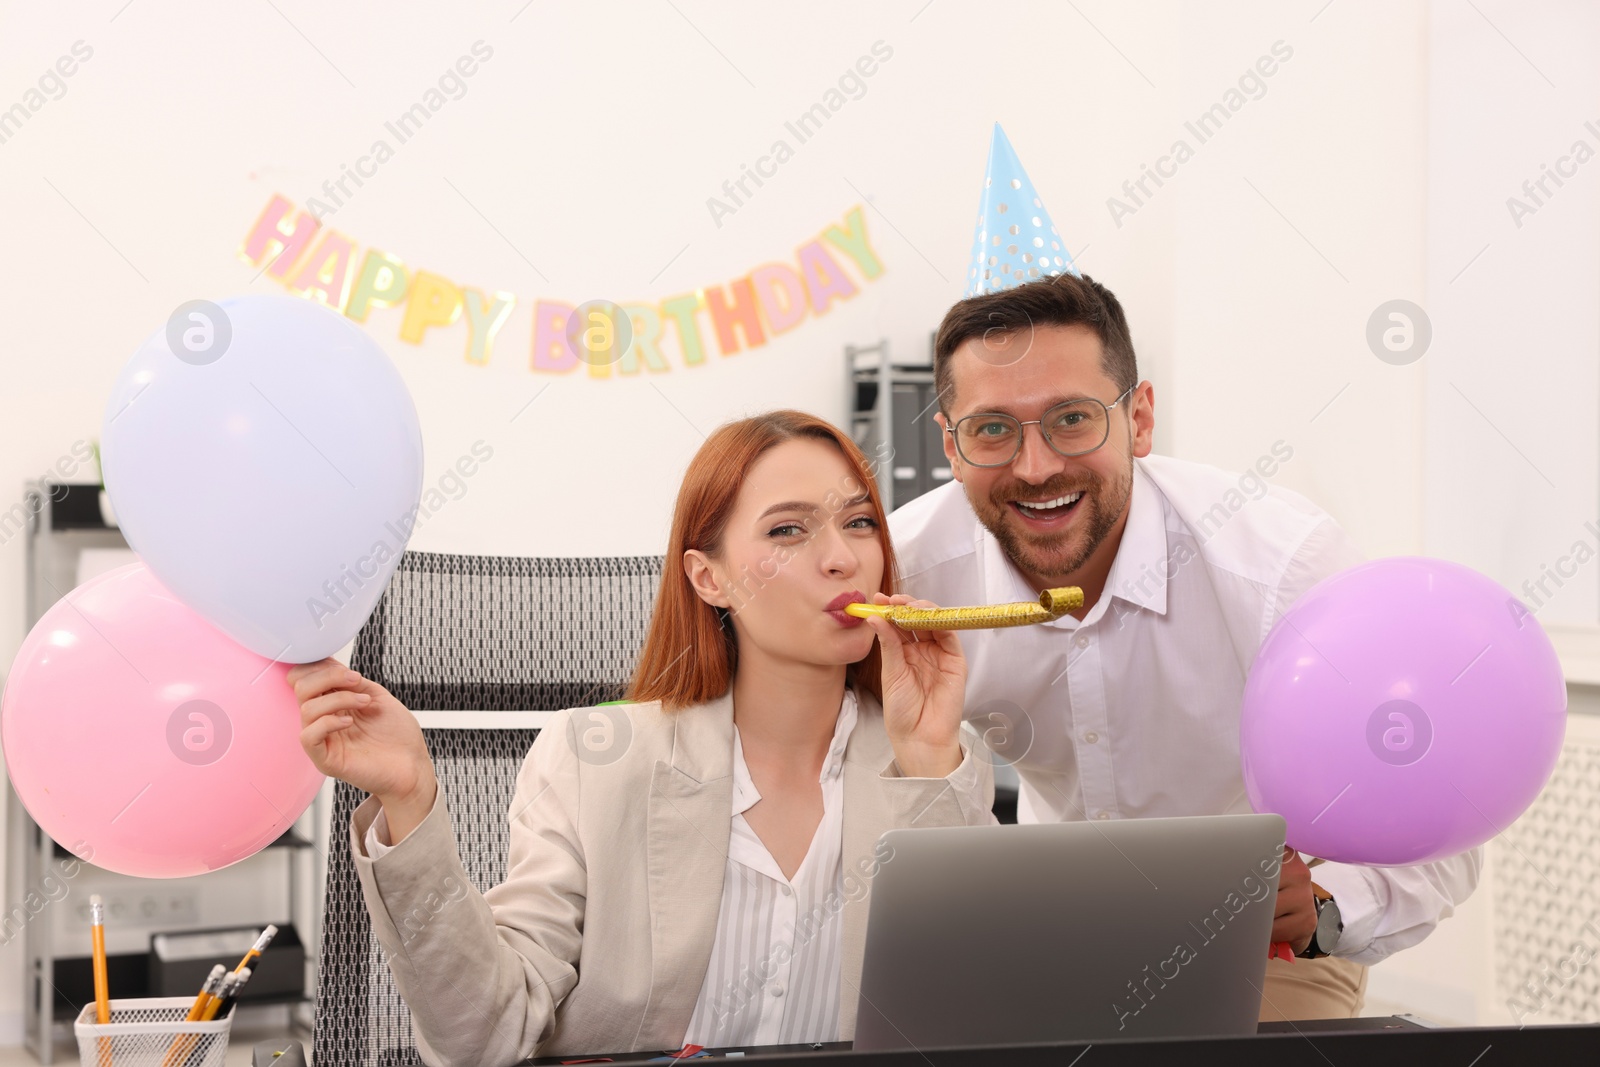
703,878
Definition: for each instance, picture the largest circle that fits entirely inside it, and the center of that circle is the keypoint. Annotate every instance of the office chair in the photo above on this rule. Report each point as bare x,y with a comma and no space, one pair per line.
472,640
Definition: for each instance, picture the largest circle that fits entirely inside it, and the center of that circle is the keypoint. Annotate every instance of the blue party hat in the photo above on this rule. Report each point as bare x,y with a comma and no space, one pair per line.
1014,241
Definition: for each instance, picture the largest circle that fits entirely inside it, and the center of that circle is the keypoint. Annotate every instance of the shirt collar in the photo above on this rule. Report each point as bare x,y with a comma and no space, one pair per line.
1138,572
745,794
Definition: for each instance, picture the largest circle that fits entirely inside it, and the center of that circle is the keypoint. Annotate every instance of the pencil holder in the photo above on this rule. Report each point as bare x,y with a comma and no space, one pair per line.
151,1032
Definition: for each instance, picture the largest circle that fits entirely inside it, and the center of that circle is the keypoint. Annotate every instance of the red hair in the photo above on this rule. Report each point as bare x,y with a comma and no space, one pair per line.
688,657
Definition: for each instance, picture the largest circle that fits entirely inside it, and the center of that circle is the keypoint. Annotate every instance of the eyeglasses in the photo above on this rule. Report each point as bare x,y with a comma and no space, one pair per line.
1075,428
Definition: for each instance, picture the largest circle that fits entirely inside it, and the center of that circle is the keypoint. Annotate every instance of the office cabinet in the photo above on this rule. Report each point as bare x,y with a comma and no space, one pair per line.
892,408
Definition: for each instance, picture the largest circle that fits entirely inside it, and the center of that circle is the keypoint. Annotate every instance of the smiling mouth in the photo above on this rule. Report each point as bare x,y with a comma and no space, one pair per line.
1048,510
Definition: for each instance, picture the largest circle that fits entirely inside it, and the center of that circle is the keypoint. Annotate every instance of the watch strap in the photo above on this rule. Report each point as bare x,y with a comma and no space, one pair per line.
1313,951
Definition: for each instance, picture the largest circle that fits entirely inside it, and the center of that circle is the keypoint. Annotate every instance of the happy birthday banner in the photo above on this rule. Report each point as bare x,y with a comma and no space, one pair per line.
770,299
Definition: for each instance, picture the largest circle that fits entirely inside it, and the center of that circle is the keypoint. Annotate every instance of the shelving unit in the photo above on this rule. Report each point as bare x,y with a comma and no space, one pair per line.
891,417
63,521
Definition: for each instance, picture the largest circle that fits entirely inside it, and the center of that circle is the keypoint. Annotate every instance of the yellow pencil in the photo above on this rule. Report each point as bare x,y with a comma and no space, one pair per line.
230,992
208,989
258,948
229,989
230,981
102,987
178,1051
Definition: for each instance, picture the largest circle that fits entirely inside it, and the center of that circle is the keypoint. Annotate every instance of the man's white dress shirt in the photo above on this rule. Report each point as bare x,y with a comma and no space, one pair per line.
1134,712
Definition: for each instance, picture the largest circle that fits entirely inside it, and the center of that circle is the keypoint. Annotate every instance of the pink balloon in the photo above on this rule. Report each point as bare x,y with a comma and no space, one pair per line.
1401,711
145,740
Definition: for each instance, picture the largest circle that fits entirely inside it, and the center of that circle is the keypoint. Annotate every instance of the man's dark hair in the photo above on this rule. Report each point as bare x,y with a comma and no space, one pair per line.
1062,300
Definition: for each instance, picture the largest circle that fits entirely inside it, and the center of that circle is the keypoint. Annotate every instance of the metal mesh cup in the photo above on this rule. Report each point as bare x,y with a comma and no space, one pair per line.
151,1032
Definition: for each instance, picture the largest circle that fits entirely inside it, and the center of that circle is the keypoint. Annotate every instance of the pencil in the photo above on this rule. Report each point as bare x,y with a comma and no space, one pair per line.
209,1001
258,948
179,1049
102,989
220,1005
230,993
191,1043
230,982
207,990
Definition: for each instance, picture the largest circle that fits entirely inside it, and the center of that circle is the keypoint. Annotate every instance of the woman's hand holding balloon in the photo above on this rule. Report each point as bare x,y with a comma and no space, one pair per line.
355,730
924,685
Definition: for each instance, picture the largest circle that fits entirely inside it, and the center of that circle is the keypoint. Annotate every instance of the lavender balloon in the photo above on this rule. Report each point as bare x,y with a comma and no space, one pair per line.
1402,711
265,460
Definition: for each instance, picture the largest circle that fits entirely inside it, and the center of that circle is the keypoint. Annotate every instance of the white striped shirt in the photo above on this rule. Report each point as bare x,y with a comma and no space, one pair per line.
774,972
773,977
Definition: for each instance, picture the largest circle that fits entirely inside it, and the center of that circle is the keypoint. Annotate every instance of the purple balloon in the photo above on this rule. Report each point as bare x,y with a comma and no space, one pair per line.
1401,711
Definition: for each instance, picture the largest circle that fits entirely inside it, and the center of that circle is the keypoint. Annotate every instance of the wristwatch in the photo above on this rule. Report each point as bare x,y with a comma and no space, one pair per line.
1330,924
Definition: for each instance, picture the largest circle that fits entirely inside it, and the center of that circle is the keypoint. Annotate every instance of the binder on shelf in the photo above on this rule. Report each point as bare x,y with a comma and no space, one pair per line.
891,417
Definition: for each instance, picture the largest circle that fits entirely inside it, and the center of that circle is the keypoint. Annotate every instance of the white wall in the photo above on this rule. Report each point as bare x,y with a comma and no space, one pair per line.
1369,168
1511,459
1513,449
1297,218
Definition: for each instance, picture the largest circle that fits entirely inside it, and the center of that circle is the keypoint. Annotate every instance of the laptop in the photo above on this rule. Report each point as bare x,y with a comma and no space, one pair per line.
1082,931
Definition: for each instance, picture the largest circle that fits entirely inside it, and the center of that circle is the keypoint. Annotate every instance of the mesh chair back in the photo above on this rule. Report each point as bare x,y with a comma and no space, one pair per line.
498,633
468,633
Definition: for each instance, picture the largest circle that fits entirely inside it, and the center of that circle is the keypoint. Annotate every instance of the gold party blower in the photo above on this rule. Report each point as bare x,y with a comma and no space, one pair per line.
1052,604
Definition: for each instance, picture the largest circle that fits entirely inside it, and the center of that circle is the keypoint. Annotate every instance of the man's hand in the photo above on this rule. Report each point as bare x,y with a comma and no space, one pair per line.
1296,918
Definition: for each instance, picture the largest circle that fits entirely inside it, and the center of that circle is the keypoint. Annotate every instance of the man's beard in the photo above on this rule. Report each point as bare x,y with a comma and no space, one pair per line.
1057,555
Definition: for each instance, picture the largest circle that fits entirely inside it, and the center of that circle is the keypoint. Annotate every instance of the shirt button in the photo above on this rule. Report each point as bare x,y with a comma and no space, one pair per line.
1091,737
1102,814
777,990
1083,641
785,890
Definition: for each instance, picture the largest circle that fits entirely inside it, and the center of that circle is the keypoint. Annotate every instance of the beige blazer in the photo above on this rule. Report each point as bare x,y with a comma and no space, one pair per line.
600,936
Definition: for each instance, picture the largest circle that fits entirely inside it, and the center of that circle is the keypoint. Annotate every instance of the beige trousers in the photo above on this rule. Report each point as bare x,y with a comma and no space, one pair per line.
1326,988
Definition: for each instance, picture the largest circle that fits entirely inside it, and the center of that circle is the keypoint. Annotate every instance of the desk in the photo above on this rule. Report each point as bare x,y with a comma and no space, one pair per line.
1374,1042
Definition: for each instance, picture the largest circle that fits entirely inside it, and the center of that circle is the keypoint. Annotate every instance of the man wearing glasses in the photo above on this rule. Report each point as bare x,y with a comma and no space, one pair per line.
1129,707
